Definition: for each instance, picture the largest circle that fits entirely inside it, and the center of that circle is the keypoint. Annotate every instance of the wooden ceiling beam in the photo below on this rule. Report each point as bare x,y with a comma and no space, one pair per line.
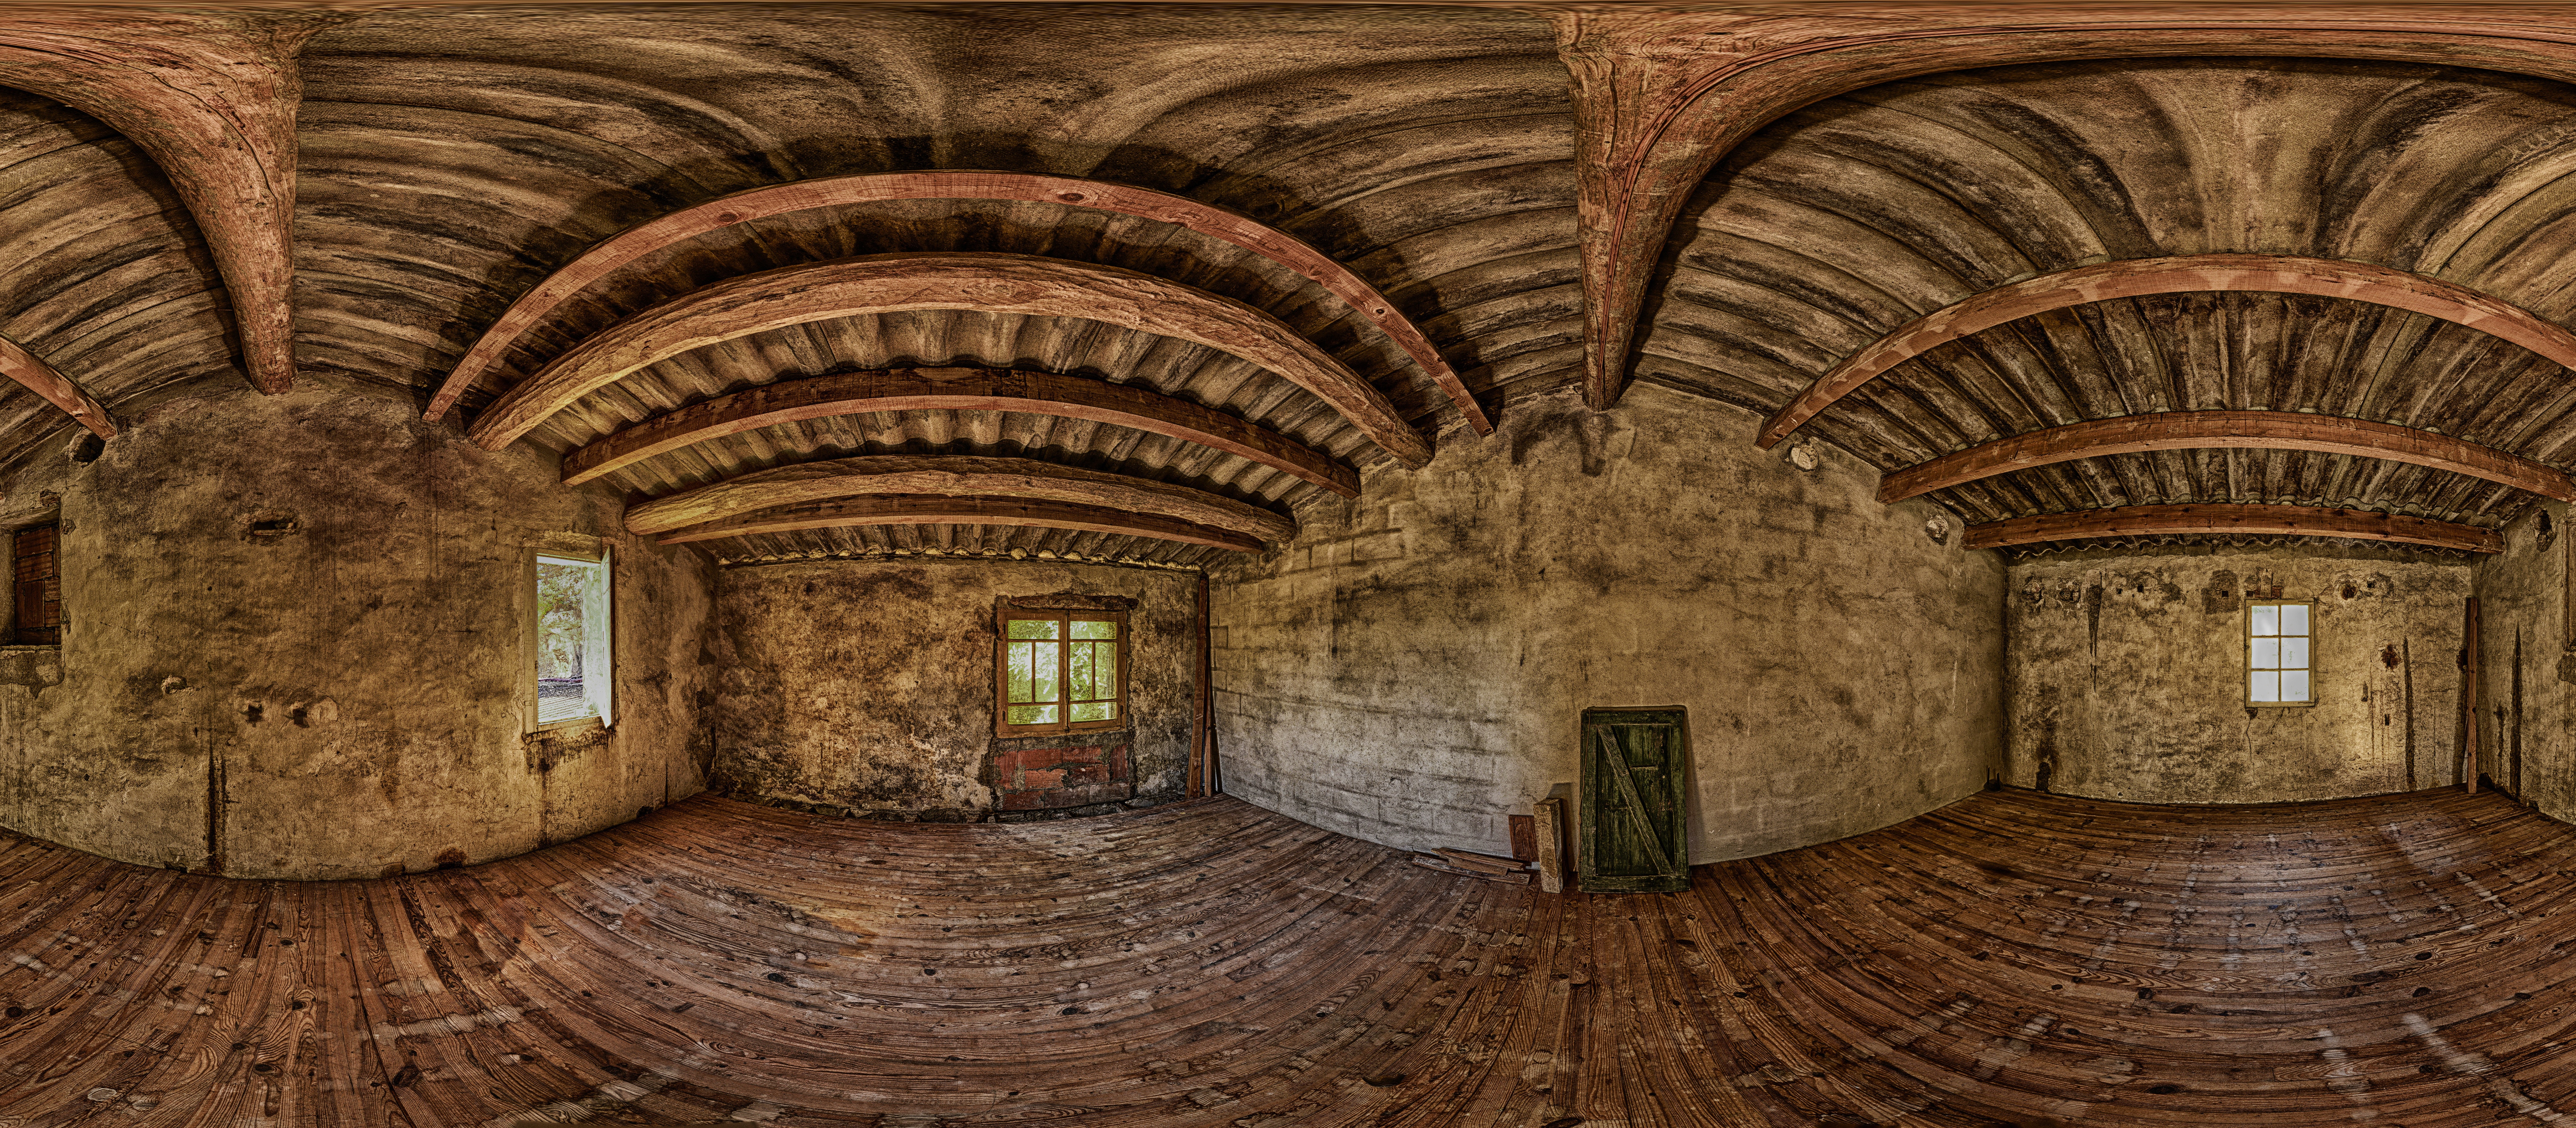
39,377
1663,96
2200,430
958,389
848,512
212,100
2233,520
958,476
2133,278
987,282
1233,227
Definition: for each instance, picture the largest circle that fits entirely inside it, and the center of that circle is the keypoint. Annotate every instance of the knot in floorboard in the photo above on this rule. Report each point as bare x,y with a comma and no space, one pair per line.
2015,958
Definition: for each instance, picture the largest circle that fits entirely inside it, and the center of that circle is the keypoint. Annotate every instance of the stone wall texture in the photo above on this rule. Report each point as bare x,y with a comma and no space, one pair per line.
1413,668
2526,667
868,685
2126,678
342,697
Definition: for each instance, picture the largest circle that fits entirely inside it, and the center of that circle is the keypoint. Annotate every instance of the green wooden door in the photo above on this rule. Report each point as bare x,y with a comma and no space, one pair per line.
1635,764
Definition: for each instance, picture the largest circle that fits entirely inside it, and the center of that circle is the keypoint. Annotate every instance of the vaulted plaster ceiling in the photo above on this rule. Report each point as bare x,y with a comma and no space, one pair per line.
1481,169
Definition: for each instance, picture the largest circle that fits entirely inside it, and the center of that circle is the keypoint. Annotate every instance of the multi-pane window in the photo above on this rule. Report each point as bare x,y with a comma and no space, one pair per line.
39,612
1062,671
2277,658
572,638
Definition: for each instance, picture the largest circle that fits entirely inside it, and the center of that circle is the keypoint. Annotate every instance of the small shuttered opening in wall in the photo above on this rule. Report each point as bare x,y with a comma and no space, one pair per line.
39,615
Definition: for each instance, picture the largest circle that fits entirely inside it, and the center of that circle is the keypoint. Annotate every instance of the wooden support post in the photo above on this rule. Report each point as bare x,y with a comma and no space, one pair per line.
2406,656
1203,730
2468,758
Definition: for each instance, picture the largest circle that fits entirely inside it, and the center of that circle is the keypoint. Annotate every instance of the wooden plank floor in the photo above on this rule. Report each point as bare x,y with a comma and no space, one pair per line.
2013,959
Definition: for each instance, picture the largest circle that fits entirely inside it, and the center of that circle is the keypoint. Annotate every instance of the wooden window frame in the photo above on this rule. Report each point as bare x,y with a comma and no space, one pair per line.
1064,619
2245,655
51,632
599,666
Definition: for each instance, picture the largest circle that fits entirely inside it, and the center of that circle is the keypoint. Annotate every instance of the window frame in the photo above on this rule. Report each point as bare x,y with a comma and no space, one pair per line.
2245,655
19,630
1064,617
599,664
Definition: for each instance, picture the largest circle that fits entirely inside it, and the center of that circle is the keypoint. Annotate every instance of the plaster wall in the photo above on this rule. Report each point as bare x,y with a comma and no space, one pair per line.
868,685
340,697
2526,668
1412,669
2127,675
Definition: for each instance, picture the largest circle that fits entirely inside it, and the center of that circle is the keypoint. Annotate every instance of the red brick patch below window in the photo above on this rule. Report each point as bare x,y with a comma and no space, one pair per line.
1037,779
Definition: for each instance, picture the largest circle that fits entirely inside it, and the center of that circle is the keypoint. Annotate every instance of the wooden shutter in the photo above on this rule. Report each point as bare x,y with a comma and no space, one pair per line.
39,587
1636,763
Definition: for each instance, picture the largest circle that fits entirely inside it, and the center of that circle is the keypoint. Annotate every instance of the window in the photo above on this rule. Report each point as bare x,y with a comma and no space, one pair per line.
39,618
1061,671
2276,636
571,638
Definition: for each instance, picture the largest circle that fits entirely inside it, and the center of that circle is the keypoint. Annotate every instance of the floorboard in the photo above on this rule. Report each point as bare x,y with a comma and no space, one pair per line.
2014,959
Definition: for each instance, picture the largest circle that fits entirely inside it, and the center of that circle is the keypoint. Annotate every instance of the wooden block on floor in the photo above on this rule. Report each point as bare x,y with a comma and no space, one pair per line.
1548,824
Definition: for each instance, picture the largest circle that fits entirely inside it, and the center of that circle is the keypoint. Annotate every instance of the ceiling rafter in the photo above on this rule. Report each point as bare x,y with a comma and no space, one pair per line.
2199,430
2234,520
982,281
39,377
848,512
963,476
1662,96
1233,227
212,100
958,389
2177,274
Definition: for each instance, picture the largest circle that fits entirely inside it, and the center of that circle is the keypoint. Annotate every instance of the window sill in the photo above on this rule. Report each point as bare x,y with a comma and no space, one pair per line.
2280,704
30,647
569,725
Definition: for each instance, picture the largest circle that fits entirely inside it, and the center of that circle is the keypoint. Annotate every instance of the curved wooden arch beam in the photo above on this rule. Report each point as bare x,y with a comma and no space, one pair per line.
212,100
987,282
760,203
958,389
1661,97
964,511
2131,278
2262,520
31,370
2198,430
960,476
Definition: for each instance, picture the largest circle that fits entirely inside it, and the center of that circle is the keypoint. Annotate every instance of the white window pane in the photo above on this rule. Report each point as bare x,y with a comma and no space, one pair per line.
2267,654
2294,653
2267,619
2294,618
2267,687
2294,685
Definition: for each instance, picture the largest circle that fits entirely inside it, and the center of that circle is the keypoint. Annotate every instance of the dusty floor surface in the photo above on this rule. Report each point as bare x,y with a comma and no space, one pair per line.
2011,958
